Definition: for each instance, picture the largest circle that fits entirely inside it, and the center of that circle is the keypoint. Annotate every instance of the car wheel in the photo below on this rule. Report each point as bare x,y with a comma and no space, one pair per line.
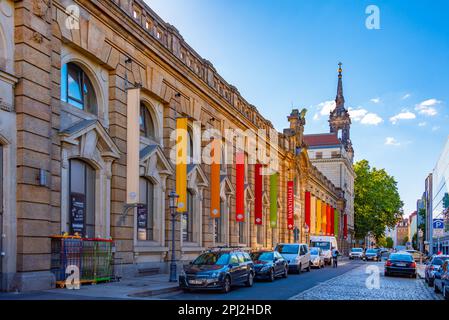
271,277
431,282
227,285
285,274
386,274
250,281
309,267
300,268
185,290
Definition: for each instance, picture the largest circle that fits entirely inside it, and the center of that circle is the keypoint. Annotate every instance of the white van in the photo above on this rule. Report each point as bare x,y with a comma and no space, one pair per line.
325,243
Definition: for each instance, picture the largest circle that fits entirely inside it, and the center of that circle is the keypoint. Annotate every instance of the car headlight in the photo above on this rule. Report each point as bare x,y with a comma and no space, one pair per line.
316,260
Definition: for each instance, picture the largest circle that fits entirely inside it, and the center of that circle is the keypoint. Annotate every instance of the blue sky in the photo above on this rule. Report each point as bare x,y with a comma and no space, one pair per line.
280,53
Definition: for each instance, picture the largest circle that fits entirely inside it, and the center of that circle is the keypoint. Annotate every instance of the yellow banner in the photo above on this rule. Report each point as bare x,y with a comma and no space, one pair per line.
181,163
318,216
312,215
323,217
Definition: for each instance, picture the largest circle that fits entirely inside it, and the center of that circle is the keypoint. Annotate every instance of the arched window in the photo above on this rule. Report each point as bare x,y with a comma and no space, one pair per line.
190,150
82,199
187,219
77,89
146,123
145,212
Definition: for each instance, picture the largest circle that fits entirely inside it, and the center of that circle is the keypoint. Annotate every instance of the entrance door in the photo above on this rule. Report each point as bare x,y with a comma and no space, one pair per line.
1,218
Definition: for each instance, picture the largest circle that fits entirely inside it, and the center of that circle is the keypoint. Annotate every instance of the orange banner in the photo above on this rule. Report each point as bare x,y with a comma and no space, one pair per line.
181,163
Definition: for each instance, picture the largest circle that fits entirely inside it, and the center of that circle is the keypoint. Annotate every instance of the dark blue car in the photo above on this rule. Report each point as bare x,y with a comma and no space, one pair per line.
269,265
441,282
218,270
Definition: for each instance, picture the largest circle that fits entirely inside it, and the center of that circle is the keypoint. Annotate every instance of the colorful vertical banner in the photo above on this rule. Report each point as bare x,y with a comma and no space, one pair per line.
323,218
290,205
215,179
240,187
328,219
181,163
274,188
307,209
332,221
313,216
345,226
336,222
258,208
318,217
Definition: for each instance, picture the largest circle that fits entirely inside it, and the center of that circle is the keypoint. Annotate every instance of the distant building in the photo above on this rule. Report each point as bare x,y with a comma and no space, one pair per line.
440,201
421,220
413,229
402,232
429,216
392,233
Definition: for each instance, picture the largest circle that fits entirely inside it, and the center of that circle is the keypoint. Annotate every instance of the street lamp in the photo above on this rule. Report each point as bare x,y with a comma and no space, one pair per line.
173,203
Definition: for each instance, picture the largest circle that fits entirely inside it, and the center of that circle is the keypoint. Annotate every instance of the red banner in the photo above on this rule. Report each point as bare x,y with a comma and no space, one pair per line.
240,187
329,221
307,209
258,208
290,205
345,226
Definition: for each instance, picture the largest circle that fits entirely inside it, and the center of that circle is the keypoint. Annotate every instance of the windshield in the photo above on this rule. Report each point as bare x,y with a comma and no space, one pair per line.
401,257
314,252
322,245
371,251
211,259
357,250
288,248
439,261
262,256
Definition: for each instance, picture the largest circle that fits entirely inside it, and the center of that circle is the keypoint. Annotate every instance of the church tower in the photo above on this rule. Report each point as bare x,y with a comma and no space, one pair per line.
339,119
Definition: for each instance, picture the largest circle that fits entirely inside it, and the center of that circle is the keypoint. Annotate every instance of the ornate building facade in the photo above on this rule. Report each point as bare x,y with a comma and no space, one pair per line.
65,72
333,154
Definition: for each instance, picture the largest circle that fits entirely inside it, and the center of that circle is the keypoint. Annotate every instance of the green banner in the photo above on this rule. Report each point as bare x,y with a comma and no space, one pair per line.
274,187
337,222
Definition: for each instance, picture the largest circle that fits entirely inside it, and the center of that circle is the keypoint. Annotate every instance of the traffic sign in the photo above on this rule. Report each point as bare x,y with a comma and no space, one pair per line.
438,224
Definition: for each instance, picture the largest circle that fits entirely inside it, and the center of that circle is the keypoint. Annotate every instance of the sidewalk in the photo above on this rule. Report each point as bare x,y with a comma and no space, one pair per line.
130,288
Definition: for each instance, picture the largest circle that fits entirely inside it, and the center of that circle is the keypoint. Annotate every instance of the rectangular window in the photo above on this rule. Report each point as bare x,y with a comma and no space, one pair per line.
145,213
319,155
82,199
259,234
219,224
187,220
241,226
334,154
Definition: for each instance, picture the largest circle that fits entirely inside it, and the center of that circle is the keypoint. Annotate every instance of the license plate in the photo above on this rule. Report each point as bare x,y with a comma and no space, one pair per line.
195,281
401,264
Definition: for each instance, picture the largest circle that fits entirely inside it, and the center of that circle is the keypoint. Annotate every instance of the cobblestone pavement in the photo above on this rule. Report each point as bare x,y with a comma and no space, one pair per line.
356,284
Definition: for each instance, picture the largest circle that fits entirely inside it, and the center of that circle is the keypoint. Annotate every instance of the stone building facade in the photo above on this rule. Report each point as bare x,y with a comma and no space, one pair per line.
65,72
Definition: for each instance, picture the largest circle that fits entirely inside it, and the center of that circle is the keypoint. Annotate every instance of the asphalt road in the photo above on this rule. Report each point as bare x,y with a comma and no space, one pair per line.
280,289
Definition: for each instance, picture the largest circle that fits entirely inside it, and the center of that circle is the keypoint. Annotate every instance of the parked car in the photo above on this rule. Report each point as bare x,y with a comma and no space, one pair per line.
418,256
433,265
356,253
269,265
326,244
442,280
317,257
372,255
400,263
218,270
297,256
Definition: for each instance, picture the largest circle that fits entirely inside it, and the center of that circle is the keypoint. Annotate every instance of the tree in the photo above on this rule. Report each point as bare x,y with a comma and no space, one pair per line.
404,242
390,243
377,204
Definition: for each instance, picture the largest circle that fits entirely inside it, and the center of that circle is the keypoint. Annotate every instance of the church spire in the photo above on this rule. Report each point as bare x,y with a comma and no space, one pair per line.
340,99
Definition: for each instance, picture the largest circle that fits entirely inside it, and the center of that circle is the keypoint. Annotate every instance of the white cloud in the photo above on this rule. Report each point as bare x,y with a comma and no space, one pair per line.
371,119
324,109
390,141
427,107
364,117
404,115
435,128
406,96
422,124
357,114
375,100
